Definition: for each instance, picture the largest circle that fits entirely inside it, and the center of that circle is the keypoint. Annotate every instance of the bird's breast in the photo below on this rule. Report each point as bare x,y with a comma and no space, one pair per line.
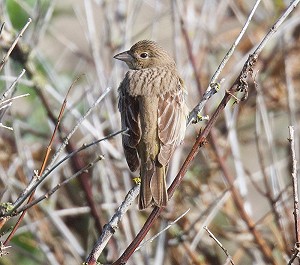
151,81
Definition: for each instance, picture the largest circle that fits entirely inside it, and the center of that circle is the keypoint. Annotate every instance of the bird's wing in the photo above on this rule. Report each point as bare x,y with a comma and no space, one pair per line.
129,109
172,113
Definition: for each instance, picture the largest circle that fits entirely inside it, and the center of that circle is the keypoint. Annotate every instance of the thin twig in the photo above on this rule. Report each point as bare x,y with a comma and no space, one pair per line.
190,53
13,98
295,184
45,160
239,84
35,182
4,105
2,27
275,27
5,58
211,89
162,231
110,228
219,244
5,94
58,186
6,127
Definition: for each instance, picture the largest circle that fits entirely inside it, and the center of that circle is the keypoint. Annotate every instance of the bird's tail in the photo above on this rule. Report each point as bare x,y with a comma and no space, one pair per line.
153,186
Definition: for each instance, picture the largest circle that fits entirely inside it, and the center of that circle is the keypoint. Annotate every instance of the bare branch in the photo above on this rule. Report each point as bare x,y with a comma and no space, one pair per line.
5,94
162,231
240,84
295,184
219,244
5,58
110,228
212,85
58,186
36,181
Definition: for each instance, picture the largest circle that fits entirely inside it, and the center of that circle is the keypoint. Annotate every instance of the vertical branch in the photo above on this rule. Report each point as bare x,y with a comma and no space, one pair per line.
295,184
190,54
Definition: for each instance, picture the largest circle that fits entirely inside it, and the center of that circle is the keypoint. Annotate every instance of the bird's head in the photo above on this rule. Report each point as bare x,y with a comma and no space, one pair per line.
145,54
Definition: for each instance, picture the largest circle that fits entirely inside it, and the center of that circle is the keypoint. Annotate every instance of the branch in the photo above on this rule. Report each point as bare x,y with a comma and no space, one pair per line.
162,231
240,84
36,181
5,94
5,58
110,228
37,175
58,186
193,116
295,184
219,244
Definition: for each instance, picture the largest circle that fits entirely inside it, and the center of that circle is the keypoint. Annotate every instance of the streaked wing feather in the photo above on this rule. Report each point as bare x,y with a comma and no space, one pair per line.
171,123
129,109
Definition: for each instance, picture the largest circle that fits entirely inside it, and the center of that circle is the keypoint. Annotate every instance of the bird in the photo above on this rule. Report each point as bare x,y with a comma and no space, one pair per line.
153,109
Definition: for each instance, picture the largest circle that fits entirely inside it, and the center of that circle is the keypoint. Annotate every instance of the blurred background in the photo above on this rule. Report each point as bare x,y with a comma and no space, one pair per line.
248,144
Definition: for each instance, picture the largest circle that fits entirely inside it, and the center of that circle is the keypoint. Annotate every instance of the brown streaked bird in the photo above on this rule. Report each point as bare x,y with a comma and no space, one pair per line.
152,106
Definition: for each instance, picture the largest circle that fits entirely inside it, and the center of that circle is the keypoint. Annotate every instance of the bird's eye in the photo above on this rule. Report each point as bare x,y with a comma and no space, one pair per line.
144,55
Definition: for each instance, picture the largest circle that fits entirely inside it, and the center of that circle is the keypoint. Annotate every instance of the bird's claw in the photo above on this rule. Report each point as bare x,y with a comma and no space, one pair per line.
200,118
137,180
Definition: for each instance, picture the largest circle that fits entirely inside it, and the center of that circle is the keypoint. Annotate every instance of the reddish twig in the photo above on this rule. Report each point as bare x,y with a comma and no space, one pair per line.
200,141
190,54
240,84
45,161
239,203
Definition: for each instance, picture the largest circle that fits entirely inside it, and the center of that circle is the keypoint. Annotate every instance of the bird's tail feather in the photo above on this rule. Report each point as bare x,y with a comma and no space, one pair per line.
158,186
145,197
153,186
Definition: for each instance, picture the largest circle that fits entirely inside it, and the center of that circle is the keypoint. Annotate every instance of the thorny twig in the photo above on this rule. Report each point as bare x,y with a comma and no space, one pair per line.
200,141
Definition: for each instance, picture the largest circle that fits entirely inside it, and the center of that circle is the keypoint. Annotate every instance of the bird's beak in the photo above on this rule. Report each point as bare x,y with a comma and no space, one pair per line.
124,56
